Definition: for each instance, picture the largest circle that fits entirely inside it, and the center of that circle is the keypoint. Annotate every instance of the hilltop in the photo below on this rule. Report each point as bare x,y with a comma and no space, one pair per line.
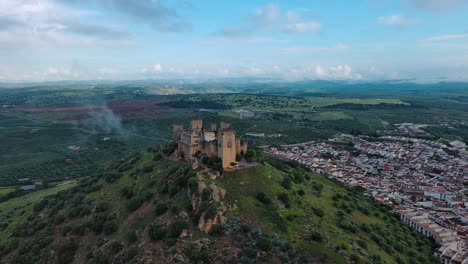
146,208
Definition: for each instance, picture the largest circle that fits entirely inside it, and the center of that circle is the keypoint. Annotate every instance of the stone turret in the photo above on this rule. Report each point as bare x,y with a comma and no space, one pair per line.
196,124
177,130
227,146
212,142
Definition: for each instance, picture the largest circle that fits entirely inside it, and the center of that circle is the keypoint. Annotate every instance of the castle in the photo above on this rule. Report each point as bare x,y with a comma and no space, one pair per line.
213,142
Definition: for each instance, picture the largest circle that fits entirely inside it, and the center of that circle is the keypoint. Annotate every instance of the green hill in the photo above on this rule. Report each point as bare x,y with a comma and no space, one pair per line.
144,209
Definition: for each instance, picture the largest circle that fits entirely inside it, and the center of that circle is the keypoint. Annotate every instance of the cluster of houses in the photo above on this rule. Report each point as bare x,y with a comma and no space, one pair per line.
453,246
407,129
422,179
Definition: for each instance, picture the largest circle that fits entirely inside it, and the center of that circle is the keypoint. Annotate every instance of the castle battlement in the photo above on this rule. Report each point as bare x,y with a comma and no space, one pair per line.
212,142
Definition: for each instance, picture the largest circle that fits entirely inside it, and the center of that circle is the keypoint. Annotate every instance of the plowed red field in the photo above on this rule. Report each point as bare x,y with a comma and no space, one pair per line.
133,109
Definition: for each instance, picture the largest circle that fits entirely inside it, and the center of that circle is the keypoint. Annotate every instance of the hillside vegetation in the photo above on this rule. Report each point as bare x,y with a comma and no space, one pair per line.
148,209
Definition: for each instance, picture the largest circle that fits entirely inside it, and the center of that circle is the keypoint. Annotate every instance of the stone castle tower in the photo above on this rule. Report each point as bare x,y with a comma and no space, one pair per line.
211,142
227,144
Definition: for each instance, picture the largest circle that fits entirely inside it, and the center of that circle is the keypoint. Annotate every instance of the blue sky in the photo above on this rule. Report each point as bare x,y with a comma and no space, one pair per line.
43,40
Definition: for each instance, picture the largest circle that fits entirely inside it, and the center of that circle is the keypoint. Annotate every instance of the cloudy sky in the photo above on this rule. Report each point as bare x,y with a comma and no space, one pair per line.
295,39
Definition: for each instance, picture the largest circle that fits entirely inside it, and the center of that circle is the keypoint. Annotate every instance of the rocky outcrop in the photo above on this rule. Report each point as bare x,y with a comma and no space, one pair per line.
217,193
206,224
179,257
201,187
183,216
203,242
195,196
229,255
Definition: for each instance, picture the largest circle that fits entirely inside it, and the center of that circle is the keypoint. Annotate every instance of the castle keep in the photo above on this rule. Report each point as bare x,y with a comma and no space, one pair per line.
211,141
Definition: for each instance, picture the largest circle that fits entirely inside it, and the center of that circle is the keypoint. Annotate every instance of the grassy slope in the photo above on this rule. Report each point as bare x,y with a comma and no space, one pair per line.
4,191
244,185
17,210
296,223
111,193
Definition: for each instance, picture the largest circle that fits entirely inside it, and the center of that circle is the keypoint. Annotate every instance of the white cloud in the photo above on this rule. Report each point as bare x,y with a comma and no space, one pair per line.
312,49
233,32
234,41
320,72
256,71
436,6
157,68
292,17
397,20
294,73
267,15
270,18
107,71
224,72
446,37
303,27
339,72
374,73
46,23
340,45
62,73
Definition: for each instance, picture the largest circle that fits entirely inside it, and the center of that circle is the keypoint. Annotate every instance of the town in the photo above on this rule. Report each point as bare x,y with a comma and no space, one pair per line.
422,180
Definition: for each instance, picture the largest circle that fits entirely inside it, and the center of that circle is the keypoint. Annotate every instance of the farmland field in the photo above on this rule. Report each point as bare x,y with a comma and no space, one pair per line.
104,123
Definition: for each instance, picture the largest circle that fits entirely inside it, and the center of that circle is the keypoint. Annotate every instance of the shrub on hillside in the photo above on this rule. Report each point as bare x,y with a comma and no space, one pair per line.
197,255
211,212
264,243
157,156
135,202
66,252
284,198
317,187
115,246
316,236
147,169
161,208
131,236
176,228
127,192
131,253
263,198
192,183
112,176
102,207
319,212
156,232
206,194
286,183
217,230
110,227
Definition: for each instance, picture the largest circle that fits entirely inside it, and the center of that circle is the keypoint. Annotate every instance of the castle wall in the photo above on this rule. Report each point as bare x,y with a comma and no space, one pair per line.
241,148
177,130
225,125
210,134
227,147
196,124
213,127
210,149
220,143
